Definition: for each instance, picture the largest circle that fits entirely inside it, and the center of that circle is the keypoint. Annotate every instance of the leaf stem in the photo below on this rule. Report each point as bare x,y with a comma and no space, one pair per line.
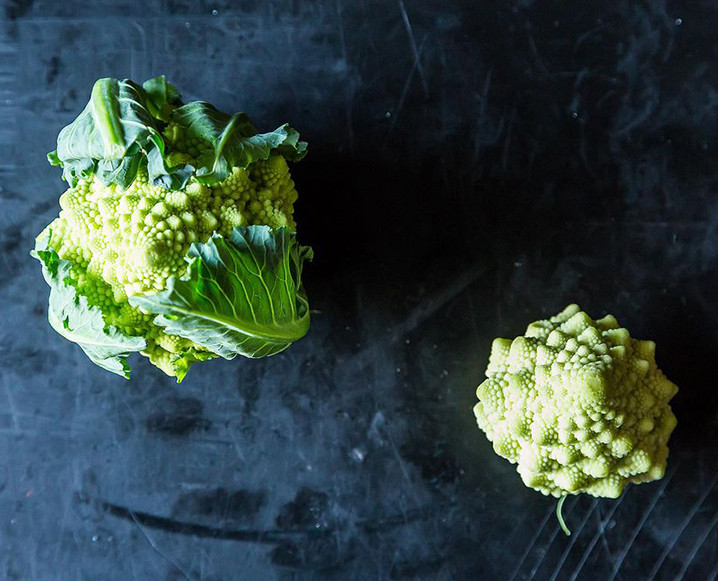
106,114
559,515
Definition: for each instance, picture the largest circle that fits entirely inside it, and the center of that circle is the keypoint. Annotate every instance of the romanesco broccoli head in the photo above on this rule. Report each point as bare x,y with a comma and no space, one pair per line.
137,227
123,243
578,405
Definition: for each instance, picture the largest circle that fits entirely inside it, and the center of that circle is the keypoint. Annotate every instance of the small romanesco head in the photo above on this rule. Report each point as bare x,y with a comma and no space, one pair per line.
579,405
129,242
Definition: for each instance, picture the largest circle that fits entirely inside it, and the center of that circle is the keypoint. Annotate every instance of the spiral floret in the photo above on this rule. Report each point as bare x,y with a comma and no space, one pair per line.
578,405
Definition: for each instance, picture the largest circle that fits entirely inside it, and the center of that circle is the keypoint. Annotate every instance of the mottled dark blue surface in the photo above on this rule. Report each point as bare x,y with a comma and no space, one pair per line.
473,166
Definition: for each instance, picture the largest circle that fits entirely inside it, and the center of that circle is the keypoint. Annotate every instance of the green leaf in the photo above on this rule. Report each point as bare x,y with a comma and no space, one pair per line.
171,178
117,130
107,138
120,171
162,97
182,362
241,295
72,317
121,128
233,140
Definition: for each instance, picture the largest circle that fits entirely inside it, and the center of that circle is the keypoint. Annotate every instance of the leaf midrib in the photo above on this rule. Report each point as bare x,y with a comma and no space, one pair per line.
255,334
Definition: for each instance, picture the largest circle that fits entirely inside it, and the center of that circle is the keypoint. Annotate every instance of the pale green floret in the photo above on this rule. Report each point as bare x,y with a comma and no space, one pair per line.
124,243
579,405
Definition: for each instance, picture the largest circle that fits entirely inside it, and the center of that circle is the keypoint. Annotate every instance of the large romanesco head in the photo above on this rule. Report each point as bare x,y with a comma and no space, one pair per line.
193,177
579,405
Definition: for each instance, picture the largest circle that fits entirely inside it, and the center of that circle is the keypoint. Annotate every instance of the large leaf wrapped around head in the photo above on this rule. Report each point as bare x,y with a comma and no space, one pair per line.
70,314
242,295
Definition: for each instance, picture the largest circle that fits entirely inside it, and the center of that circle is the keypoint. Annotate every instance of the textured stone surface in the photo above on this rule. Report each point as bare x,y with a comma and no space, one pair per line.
472,166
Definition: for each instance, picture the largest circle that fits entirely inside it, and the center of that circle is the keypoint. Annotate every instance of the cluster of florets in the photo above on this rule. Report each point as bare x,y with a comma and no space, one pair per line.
129,242
579,405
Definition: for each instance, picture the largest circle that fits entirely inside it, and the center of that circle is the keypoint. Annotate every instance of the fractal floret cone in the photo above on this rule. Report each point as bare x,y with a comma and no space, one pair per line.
578,405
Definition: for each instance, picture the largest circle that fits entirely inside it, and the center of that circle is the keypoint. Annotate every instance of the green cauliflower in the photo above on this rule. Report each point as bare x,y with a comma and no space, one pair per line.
176,240
578,405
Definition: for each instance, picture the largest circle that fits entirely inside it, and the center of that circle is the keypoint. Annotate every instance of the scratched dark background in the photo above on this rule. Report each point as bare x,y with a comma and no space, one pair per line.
473,166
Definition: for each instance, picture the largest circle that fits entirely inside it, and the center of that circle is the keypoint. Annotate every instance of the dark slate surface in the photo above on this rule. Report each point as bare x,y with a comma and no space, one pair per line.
473,166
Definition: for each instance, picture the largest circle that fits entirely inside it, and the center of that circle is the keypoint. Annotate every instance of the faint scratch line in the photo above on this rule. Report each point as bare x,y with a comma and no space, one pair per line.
446,295
604,544
641,523
531,543
414,49
342,36
423,312
143,42
576,534
599,534
539,61
684,524
402,98
154,546
65,512
11,404
404,471
713,574
696,547
235,443
648,109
